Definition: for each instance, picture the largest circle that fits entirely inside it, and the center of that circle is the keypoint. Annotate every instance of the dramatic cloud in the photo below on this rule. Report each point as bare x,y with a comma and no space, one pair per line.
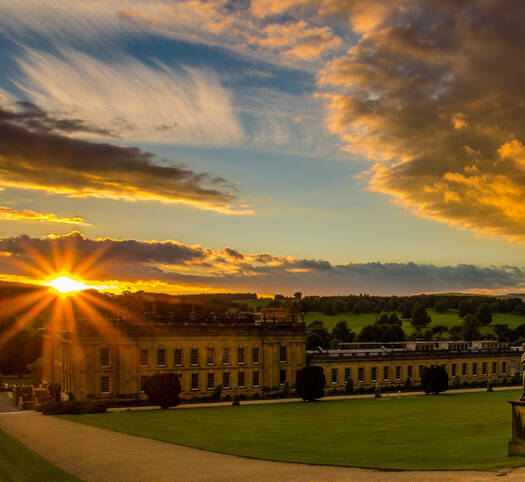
57,164
11,214
175,267
434,92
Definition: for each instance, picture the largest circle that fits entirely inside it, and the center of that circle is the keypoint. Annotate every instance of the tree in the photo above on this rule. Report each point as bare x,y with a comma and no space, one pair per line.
342,333
483,314
465,308
434,379
368,333
310,383
439,329
298,295
440,306
470,328
419,316
163,389
406,311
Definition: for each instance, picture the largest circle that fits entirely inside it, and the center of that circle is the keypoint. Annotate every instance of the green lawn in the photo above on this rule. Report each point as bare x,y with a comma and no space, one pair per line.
18,464
357,321
451,431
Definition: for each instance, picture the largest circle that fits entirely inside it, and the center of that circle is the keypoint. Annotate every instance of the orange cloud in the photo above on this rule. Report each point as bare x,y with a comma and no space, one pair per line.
11,214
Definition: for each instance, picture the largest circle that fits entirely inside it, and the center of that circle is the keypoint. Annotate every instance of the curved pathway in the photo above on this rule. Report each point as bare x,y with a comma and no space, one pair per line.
96,454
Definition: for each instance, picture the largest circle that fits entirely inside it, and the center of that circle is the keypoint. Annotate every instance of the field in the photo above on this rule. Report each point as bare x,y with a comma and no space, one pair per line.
450,431
450,318
18,463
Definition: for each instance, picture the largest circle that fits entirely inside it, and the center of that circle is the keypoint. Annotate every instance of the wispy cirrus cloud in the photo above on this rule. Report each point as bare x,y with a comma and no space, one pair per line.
171,266
11,214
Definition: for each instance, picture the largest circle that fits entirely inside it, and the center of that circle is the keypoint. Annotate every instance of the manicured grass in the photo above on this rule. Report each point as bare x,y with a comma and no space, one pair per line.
450,431
450,318
18,463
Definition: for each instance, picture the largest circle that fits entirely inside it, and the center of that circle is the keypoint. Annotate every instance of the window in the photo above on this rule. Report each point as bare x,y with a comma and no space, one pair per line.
240,379
255,378
143,379
398,373
226,355
334,375
240,356
210,356
211,381
348,374
386,373
104,357
484,368
143,358
282,377
177,356
255,354
105,386
194,356
454,369
360,374
494,368
374,374
282,354
504,367
464,369
420,371
161,357
194,381
226,380
474,369
410,371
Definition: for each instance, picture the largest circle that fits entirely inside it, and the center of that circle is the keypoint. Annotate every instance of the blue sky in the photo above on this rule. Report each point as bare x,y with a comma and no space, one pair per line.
283,102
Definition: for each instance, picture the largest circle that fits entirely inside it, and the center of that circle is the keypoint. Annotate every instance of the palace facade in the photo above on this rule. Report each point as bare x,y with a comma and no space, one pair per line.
247,355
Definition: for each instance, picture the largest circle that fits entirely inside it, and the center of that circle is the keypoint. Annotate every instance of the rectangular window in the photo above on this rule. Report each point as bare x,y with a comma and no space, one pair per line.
484,368
104,357
334,375
143,358
194,356
374,374
143,379
255,354
240,380
420,370
398,373
347,374
454,369
177,356
282,354
360,374
494,368
410,371
255,378
226,355
211,381
386,373
282,377
210,356
226,380
194,381
464,369
161,357
504,367
105,386
474,369
240,356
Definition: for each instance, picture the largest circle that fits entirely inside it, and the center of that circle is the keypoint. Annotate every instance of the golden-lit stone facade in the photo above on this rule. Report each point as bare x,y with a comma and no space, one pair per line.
253,358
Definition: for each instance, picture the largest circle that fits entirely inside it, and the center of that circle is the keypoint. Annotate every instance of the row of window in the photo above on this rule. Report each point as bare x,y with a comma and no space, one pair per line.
374,371
178,359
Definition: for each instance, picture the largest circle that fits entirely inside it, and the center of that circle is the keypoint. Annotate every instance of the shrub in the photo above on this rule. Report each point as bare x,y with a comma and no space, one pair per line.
310,383
377,393
434,379
349,386
216,395
163,389
72,407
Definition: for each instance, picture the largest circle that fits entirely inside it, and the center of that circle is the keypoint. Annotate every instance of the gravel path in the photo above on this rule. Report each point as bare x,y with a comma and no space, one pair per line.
96,454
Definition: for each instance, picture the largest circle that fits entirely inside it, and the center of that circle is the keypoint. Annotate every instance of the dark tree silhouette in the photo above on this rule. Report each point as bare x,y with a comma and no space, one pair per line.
163,389
434,379
310,383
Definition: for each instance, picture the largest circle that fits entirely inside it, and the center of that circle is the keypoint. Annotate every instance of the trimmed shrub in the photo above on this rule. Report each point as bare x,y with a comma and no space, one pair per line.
349,386
163,389
434,379
310,383
72,407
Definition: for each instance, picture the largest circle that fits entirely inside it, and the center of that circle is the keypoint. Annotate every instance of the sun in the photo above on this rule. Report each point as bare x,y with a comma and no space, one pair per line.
66,285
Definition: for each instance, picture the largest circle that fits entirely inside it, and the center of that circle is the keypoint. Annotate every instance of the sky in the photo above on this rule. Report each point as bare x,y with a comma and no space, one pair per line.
269,146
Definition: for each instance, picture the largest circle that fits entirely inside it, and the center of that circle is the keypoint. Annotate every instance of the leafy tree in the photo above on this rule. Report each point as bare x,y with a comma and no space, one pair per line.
163,389
392,333
470,328
298,295
310,383
384,318
394,320
341,332
439,329
419,316
317,336
434,379
483,314
440,306
465,308
456,332
368,333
